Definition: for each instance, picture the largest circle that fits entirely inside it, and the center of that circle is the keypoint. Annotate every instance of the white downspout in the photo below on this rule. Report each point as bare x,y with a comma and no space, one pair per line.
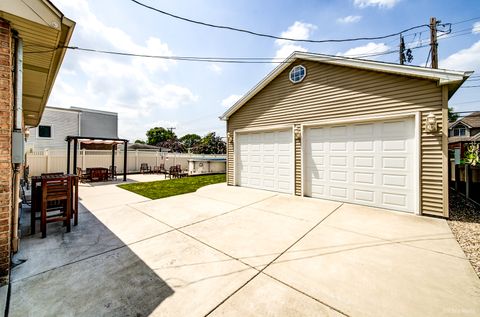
18,114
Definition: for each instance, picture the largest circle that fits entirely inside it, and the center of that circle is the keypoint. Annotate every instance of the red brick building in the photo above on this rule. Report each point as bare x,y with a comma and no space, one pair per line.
33,34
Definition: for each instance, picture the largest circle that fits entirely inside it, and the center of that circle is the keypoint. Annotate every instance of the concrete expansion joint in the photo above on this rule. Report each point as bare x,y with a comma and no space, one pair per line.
270,263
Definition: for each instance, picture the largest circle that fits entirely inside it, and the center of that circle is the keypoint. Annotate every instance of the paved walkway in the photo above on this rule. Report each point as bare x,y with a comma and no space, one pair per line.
242,252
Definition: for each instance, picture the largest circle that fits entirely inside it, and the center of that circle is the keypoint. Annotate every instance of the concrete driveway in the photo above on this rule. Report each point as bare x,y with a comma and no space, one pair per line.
243,252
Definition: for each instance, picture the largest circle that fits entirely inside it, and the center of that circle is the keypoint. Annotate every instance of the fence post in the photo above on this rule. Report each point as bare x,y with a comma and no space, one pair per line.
467,181
47,161
156,158
136,160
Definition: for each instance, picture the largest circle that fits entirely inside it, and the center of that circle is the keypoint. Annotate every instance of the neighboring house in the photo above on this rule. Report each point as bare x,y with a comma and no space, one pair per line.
348,130
58,123
464,131
26,80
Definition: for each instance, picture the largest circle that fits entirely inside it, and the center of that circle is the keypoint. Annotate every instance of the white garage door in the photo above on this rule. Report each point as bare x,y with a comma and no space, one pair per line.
264,160
365,163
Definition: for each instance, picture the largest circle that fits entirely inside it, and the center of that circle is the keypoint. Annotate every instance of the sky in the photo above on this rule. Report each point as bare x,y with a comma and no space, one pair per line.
190,96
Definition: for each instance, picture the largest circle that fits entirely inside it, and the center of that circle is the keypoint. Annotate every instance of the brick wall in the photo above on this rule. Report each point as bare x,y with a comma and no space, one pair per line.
6,121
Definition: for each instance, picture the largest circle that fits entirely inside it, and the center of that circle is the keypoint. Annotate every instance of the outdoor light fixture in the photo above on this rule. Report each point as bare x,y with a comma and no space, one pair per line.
431,123
229,138
298,135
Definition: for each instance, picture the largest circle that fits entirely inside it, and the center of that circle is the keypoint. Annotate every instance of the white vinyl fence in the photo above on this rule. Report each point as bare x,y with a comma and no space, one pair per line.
55,160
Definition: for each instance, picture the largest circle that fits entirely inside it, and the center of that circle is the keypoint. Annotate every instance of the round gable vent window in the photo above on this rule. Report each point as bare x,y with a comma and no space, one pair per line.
297,74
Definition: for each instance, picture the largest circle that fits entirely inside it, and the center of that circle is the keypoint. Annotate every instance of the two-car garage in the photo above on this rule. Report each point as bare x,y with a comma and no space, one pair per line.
356,131
370,163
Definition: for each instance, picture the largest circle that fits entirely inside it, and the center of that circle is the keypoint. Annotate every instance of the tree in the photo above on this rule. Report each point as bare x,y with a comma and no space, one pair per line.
173,145
139,141
452,116
210,144
159,134
190,140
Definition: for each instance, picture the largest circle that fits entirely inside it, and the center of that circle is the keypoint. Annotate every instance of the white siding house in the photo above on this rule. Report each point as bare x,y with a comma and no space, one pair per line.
58,123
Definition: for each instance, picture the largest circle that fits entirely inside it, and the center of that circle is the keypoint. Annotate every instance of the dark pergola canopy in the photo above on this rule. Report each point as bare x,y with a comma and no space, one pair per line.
95,140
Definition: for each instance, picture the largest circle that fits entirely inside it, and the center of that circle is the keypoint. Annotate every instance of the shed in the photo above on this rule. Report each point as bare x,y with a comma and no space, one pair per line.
348,130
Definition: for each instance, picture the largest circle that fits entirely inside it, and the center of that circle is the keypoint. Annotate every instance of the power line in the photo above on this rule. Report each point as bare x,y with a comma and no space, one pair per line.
238,60
466,102
230,28
468,20
472,86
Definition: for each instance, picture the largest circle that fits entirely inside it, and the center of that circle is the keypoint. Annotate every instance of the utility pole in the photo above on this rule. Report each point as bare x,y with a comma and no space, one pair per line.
433,41
402,50
171,129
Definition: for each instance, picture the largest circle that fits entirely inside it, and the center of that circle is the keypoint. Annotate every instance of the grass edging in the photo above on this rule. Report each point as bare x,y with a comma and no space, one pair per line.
173,187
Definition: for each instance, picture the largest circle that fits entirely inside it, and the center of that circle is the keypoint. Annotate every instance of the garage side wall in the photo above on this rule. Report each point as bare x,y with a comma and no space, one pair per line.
332,92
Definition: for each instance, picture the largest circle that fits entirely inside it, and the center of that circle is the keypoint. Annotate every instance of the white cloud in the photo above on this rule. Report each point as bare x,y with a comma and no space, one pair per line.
91,28
297,30
350,19
133,87
465,59
375,3
215,68
476,28
230,100
370,48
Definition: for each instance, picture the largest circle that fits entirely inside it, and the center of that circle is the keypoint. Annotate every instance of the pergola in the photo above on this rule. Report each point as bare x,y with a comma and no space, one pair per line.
95,140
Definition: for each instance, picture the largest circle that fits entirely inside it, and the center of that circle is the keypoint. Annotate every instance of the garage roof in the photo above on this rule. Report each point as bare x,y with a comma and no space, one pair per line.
453,79
43,28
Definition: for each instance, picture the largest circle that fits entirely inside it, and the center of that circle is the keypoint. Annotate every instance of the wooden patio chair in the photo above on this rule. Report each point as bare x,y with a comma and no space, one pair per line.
82,176
58,189
144,168
162,169
172,172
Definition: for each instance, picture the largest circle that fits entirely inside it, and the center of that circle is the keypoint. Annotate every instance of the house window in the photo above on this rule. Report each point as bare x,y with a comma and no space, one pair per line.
459,132
44,131
297,74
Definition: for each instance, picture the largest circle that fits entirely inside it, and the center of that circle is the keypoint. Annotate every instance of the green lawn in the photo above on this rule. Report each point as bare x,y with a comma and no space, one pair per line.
172,187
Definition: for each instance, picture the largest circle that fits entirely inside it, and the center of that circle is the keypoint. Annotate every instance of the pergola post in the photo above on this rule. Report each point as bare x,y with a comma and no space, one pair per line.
68,155
114,146
125,161
75,145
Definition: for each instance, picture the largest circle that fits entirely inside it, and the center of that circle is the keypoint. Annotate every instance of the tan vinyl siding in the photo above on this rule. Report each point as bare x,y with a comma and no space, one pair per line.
336,92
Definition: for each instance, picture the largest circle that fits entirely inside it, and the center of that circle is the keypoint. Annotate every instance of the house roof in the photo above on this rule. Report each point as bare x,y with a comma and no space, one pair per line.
453,79
45,32
471,121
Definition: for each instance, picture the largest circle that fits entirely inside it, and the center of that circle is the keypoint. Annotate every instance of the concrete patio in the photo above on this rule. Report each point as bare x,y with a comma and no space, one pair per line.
241,252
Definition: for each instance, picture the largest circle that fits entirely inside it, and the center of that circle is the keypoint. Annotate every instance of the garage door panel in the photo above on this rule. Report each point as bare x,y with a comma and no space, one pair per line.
338,161
265,160
394,180
363,178
364,146
376,167
338,146
338,176
364,196
338,192
363,162
363,130
394,162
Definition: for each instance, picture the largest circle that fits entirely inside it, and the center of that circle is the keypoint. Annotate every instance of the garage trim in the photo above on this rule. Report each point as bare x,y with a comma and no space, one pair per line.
417,141
278,127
